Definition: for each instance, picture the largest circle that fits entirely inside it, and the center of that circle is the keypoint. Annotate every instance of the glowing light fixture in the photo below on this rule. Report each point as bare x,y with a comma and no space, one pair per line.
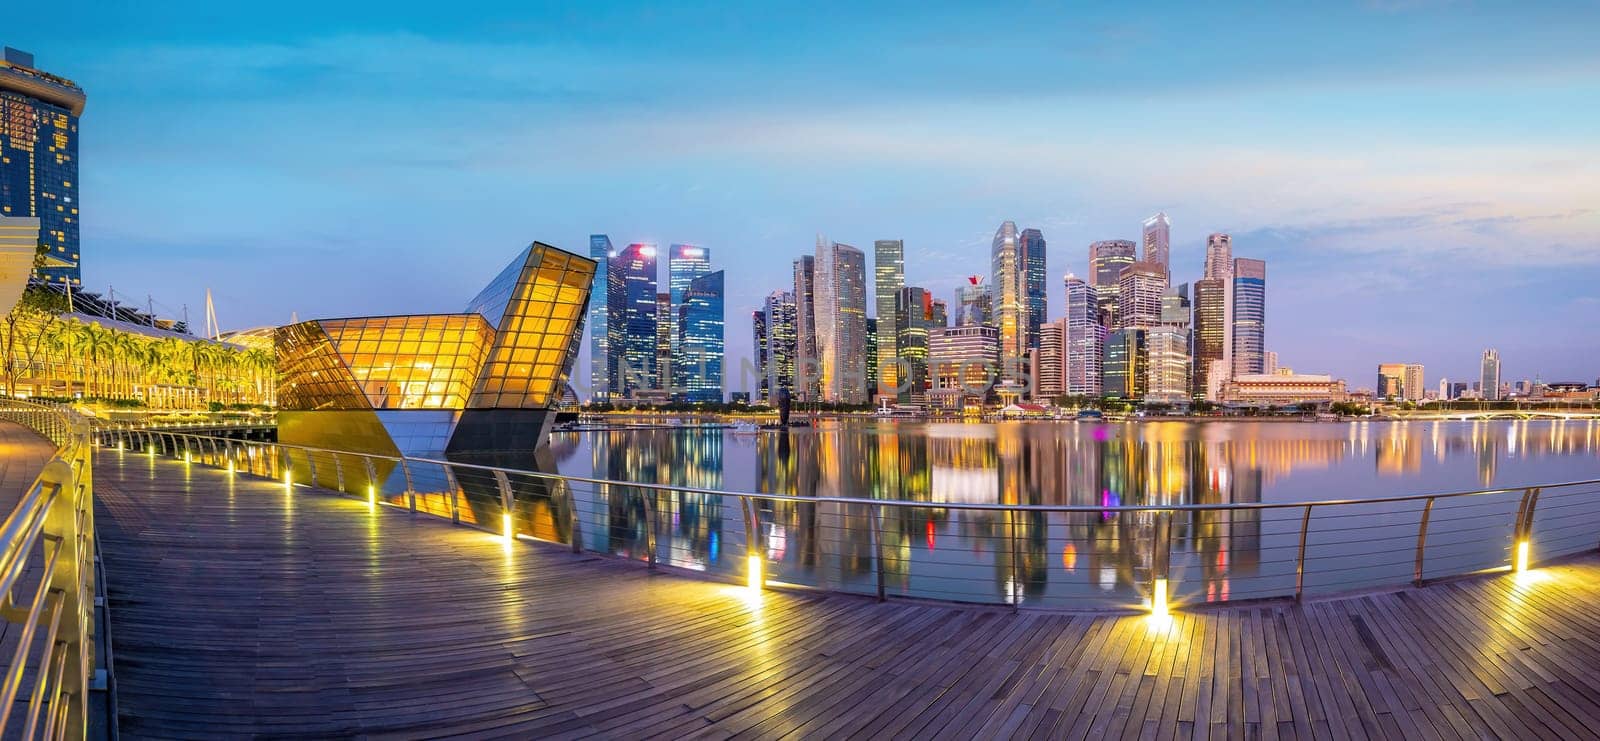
187,458
1158,600
288,480
1519,563
372,496
753,572
505,523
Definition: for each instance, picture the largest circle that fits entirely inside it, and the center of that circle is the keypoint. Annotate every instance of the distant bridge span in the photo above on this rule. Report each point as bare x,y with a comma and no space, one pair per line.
1490,414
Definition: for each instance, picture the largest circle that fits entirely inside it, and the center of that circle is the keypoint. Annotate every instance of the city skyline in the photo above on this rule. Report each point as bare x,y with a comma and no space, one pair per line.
1374,186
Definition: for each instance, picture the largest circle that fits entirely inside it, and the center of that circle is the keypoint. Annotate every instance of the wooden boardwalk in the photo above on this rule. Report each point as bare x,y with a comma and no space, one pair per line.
238,610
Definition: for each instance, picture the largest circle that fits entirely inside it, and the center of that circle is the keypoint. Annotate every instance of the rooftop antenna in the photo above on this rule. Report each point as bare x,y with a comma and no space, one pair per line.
150,303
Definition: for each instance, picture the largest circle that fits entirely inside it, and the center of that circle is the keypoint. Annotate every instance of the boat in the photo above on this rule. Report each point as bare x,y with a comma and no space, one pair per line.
746,428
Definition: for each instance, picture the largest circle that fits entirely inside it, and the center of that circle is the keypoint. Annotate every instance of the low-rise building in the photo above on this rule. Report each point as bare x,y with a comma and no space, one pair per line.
1259,389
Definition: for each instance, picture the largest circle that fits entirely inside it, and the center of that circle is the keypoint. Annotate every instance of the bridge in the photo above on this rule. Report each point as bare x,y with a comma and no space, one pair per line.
1491,414
242,606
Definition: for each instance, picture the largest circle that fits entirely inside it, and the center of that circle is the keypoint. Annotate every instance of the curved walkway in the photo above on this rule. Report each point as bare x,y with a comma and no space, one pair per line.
239,610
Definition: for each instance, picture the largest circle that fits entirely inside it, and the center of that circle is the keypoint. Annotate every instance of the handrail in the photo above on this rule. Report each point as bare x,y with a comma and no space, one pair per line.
1157,548
50,537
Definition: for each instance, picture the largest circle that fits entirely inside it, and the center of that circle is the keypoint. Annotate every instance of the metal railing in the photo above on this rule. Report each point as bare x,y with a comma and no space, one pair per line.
1111,555
47,576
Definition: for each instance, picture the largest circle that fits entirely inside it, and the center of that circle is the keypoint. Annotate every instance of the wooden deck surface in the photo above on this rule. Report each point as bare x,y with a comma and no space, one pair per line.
239,610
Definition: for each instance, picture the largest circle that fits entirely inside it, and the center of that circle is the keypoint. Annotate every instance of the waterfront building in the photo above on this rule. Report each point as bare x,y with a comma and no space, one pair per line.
664,380
778,371
600,367
1279,389
701,340
1084,339
1459,389
1031,245
759,349
1210,328
872,357
913,317
1123,370
1158,243
1249,316
841,319
1048,374
1169,347
685,262
485,379
1139,292
1010,291
938,313
888,277
1107,259
1489,375
964,357
39,160
1400,382
807,363
975,302
631,324
1444,389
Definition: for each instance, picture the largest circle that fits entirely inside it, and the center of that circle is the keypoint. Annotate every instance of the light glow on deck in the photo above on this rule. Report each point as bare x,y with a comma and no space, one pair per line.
1519,563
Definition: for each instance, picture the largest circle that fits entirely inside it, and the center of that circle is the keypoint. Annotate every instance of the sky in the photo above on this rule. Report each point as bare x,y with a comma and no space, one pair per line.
1422,178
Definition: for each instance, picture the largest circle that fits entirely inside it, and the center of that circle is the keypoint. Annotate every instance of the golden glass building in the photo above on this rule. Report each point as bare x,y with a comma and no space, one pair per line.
484,380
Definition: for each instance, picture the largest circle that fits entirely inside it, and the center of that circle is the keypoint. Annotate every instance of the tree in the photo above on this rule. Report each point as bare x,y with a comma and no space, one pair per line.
38,308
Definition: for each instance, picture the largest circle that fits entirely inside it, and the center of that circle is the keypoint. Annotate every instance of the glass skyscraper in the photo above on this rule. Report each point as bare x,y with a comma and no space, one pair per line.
840,292
600,368
913,310
1125,374
39,159
779,368
1032,246
807,363
701,340
685,262
889,276
974,303
1210,332
1083,339
631,319
1249,316
1010,291
1489,375
1107,258
1158,243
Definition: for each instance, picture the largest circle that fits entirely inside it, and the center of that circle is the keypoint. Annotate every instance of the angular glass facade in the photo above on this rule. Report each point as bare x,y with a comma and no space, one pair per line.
1032,246
398,362
538,333
1249,317
701,339
631,319
39,159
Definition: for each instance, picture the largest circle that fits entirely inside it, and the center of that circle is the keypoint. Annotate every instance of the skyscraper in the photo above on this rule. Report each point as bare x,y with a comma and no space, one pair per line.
807,363
1084,339
665,337
1169,368
600,367
39,159
759,353
1107,259
1139,292
975,303
685,262
1219,256
1249,319
1489,375
779,314
701,348
1124,373
1032,246
840,287
631,319
1010,291
1210,330
889,276
1391,381
1157,243
913,309
1048,375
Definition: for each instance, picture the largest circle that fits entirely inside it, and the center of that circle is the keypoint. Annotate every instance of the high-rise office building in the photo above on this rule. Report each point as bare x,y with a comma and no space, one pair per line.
872,357
1031,245
807,363
964,357
1084,339
1272,363
1249,316
1489,375
685,262
1444,389
1048,375
1169,368
938,313
1107,259
913,317
1400,381
665,380
778,370
39,159
759,354
600,367
889,276
840,289
1010,283
1139,292
1219,256
1123,373
975,303
1158,242
1210,331
631,319
701,340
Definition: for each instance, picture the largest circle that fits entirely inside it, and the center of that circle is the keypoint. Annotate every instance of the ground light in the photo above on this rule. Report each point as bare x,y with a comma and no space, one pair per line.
505,523
1158,600
1519,563
372,496
753,572
288,481
187,458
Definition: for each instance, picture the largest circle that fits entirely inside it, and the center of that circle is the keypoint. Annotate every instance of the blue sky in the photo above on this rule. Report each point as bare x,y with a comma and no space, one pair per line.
1421,177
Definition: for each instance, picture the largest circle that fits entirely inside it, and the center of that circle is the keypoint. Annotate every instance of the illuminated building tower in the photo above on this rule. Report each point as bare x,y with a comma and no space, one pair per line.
1489,375
685,262
1010,291
759,352
1168,369
1210,332
1107,259
39,159
1139,295
1414,382
1047,367
631,319
1249,316
1219,256
975,303
1444,389
872,357
778,316
599,330
1032,246
1158,243
701,339
1084,339
938,314
807,362
913,308
664,324
840,290
889,276
963,356
1127,353
1400,381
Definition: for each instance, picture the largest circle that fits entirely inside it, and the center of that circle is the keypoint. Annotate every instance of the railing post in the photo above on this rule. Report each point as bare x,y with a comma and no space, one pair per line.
754,555
311,466
1300,561
1016,566
372,476
338,473
876,513
1422,541
1161,559
450,481
504,484
411,490
573,521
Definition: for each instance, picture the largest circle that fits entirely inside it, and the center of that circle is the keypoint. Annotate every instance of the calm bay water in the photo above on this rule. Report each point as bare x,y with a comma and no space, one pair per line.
1081,559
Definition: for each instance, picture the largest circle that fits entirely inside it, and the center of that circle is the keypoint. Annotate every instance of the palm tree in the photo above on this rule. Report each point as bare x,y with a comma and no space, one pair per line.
96,347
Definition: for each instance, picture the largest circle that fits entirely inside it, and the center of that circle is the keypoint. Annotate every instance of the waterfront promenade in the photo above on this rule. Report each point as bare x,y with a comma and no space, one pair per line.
239,609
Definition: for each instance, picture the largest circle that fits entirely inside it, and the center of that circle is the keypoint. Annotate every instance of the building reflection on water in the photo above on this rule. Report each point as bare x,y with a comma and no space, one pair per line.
1098,557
